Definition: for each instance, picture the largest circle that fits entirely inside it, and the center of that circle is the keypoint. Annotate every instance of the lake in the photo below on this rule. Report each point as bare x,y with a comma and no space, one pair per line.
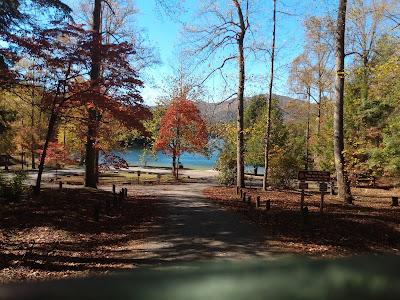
136,157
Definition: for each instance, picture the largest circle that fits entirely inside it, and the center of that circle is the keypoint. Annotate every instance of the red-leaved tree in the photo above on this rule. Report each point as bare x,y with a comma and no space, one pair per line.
63,53
182,129
57,156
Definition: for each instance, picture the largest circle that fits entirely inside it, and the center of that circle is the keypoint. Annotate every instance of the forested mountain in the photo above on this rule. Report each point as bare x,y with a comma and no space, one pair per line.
226,111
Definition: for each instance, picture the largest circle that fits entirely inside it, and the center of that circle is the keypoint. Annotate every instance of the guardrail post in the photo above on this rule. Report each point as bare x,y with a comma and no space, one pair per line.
268,204
258,202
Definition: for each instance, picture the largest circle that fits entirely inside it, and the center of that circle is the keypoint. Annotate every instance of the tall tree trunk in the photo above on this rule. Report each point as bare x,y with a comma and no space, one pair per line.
365,89
269,104
240,96
319,104
344,192
90,171
308,130
50,130
97,166
32,136
174,165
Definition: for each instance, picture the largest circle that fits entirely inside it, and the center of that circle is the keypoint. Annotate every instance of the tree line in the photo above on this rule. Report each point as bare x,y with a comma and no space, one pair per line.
70,77
80,83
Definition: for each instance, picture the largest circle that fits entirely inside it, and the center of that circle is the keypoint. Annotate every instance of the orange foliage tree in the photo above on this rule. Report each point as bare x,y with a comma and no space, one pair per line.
182,129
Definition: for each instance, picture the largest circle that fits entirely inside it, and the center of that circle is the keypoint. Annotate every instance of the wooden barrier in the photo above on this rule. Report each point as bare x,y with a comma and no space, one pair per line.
268,205
258,202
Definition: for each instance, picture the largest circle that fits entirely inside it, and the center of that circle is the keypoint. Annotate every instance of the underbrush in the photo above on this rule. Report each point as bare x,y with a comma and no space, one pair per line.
12,189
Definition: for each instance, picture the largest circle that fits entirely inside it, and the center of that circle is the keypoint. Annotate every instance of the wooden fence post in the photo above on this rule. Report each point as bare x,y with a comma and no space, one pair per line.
258,202
268,204
395,201
121,197
60,184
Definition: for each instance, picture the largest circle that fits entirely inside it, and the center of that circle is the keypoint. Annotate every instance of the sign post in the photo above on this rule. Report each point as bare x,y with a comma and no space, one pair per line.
323,188
322,177
302,185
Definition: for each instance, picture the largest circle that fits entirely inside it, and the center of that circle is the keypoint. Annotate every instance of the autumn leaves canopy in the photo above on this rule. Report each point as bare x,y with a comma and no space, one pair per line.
182,129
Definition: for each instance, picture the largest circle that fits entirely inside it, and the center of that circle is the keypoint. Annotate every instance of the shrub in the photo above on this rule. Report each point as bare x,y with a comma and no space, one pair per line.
12,189
227,170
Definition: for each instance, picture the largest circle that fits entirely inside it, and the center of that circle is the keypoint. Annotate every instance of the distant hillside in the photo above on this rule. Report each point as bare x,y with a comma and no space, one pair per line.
226,111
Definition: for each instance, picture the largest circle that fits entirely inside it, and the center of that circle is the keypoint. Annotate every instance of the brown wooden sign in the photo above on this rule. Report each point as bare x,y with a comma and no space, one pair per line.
323,187
303,185
320,176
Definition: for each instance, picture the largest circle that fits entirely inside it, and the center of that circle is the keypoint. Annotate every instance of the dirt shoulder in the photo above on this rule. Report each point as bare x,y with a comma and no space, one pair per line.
56,235
368,226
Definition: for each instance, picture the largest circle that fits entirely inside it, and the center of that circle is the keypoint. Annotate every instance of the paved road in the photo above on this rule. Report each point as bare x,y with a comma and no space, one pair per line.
194,228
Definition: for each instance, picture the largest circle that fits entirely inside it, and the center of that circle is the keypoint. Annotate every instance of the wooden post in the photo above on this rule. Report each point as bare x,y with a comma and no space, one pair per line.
332,188
258,202
237,190
395,201
113,189
249,200
268,204
244,197
302,200
120,198
138,177
241,194
60,184
126,192
321,205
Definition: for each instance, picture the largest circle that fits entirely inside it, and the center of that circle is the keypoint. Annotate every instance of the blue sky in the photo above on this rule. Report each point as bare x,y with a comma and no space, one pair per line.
165,35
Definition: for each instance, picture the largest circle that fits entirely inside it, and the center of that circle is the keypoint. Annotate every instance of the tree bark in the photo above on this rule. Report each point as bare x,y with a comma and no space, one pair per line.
50,129
240,94
90,170
174,165
319,101
33,165
306,165
269,104
344,191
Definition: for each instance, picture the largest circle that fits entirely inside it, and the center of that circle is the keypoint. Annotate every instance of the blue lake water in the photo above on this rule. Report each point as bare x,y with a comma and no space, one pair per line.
138,157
